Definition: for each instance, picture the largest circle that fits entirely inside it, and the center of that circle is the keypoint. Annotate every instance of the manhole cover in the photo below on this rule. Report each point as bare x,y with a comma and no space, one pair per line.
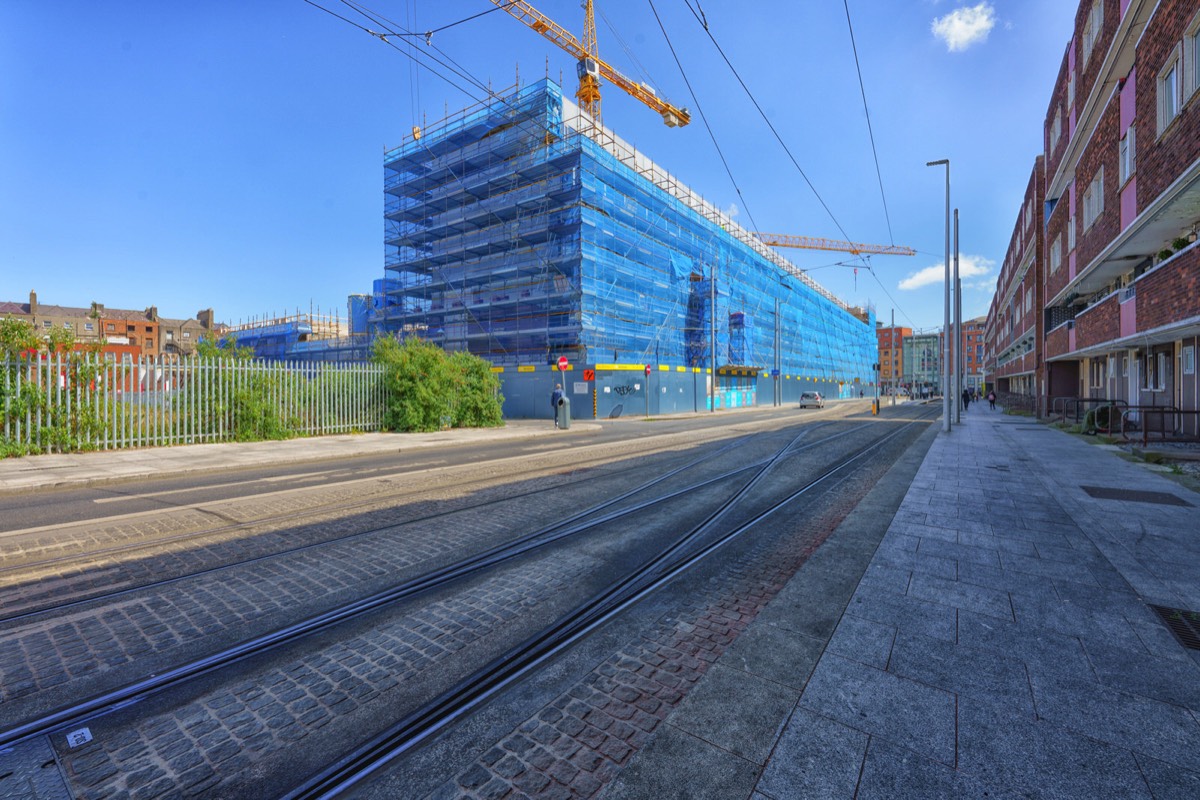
1160,498
1184,624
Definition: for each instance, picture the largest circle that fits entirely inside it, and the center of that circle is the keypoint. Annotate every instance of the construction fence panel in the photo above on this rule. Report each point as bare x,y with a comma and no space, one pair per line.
67,402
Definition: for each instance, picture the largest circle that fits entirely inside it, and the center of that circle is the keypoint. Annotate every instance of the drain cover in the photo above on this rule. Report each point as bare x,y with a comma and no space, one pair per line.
1161,498
1184,624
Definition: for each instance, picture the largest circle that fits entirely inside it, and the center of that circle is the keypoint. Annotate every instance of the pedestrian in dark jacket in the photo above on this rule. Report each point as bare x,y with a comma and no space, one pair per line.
966,397
555,396
992,400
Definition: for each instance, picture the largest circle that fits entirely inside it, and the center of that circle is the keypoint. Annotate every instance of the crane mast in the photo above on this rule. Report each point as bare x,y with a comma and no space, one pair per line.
589,66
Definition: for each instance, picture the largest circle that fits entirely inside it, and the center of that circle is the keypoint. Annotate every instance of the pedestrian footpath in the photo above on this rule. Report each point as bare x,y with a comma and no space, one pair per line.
992,638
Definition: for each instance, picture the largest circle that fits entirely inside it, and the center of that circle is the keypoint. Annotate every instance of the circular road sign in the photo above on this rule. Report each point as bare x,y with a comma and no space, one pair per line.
562,363
647,370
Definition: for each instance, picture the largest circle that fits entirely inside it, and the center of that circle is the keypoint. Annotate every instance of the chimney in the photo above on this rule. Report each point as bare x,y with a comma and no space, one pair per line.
32,302
96,309
152,313
206,318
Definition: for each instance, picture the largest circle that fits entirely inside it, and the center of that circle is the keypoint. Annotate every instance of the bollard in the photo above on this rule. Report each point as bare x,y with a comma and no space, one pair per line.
562,413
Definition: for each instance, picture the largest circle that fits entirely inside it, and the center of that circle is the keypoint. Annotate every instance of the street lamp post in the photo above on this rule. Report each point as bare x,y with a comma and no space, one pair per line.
946,389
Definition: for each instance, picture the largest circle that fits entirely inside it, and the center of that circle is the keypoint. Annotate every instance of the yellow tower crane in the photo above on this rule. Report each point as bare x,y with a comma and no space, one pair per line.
813,243
589,65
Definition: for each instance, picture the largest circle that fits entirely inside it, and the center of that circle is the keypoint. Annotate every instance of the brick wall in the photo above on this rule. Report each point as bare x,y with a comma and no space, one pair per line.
1056,342
1171,292
1099,323
1058,100
1057,228
1160,160
1101,150
1088,71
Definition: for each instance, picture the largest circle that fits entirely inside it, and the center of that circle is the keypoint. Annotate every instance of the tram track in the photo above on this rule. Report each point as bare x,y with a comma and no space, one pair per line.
581,522
511,666
18,609
687,550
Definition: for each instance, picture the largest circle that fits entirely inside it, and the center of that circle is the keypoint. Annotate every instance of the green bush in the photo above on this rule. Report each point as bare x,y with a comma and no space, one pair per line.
429,390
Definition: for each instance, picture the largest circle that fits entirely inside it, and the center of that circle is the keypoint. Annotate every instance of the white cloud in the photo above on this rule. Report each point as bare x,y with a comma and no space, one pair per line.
968,267
965,26
732,211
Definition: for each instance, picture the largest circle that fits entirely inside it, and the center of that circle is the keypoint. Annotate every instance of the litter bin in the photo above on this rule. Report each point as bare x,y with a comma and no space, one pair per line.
562,412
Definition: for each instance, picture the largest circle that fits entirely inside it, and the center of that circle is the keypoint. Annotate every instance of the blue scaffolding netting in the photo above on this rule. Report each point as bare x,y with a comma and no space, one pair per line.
520,230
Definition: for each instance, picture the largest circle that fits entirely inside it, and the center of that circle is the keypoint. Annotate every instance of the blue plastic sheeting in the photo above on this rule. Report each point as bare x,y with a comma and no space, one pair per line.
510,234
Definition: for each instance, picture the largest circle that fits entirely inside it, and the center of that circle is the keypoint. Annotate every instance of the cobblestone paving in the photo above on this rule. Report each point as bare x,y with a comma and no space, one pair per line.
46,653
195,748
185,540
578,743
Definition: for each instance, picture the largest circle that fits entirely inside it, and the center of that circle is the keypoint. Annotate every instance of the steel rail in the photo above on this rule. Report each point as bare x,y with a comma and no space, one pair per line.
514,664
100,596
132,693
576,523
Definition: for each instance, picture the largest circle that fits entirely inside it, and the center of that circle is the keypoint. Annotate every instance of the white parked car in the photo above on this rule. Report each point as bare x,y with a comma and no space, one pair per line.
812,399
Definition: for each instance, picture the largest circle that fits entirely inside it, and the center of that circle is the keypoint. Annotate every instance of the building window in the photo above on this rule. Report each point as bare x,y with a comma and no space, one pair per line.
1056,254
1124,366
1093,199
1092,28
68,326
1189,360
89,327
170,336
1191,58
47,324
1055,132
1128,150
187,334
1168,92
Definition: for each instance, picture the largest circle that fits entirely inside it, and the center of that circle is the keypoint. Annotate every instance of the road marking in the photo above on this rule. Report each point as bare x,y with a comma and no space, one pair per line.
165,492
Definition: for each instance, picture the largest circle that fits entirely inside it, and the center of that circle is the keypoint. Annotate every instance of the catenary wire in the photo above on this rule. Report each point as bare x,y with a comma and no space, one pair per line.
870,131
704,24
704,118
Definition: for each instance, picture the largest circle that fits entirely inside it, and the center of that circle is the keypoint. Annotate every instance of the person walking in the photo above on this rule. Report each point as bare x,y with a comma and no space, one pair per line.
555,396
966,398
992,399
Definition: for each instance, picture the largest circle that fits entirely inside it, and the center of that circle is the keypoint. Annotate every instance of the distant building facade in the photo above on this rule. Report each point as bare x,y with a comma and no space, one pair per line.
121,331
891,355
922,359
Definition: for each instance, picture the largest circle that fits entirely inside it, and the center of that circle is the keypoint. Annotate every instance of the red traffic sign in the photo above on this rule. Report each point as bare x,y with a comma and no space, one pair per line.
562,363
647,370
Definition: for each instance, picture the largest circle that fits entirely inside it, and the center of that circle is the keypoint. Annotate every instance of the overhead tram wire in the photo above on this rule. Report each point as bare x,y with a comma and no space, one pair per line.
704,24
704,118
870,131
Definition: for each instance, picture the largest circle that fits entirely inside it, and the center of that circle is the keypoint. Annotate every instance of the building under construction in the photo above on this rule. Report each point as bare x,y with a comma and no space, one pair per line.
521,231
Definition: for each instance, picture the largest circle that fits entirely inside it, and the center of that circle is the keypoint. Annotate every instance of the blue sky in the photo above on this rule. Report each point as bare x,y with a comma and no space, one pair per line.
229,154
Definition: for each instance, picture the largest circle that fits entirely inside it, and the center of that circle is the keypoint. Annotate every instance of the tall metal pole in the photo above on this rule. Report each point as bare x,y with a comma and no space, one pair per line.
892,366
959,361
946,332
712,322
778,376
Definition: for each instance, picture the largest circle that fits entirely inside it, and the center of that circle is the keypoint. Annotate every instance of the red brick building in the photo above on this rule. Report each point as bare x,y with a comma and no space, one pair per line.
1120,268
891,355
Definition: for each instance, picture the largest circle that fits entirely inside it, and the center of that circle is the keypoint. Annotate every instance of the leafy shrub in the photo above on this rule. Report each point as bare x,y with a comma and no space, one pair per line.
429,390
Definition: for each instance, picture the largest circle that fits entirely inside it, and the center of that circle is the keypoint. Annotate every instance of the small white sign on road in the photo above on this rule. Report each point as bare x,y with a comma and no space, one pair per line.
79,737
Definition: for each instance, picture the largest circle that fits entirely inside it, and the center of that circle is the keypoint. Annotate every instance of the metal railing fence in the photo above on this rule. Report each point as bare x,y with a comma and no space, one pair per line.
66,402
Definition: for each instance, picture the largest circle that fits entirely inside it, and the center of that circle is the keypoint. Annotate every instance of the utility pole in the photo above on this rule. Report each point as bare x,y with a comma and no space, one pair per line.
892,367
946,332
958,354
712,322
777,378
